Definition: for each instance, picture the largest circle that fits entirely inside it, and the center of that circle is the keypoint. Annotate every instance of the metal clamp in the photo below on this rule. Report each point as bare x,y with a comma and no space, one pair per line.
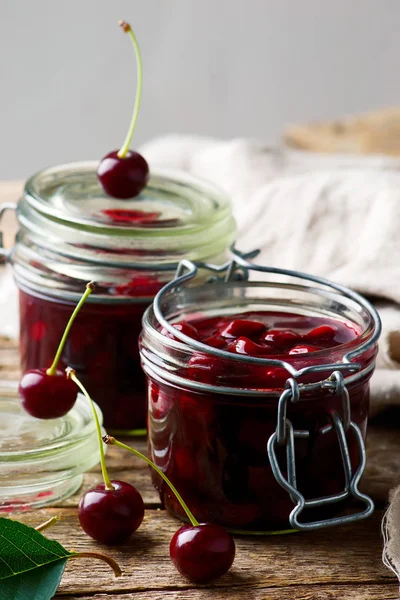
4,253
286,435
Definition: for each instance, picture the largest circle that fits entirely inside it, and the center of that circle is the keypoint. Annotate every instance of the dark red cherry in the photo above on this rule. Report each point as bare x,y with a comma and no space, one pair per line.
183,327
203,552
322,333
303,349
215,341
244,345
47,396
123,177
281,338
206,369
240,327
111,516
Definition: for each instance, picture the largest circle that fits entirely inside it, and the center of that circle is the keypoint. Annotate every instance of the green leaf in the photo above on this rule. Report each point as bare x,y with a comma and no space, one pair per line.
40,584
23,549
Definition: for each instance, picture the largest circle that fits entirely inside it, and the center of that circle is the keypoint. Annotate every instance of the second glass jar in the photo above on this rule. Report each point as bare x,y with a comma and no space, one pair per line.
71,233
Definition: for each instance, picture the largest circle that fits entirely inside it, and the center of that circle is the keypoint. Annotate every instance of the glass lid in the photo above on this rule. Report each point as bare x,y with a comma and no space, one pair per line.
42,461
171,201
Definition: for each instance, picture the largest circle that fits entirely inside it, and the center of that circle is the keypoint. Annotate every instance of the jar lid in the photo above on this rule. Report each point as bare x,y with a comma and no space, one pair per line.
42,461
175,215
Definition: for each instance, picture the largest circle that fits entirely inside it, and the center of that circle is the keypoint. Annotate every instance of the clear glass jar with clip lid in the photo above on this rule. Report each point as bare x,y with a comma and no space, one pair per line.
70,232
258,402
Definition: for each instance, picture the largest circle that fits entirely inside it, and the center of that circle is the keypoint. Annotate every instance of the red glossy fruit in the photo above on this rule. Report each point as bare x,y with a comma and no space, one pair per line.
324,333
244,345
123,177
215,341
111,516
46,396
203,552
303,349
281,338
206,369
240,327
183,327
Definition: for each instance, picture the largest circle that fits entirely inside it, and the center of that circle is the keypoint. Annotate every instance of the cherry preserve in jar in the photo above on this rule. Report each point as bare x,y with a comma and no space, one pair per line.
70,232
258,395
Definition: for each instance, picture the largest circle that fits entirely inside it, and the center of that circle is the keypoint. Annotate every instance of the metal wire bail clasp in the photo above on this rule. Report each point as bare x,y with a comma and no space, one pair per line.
4,253
286,435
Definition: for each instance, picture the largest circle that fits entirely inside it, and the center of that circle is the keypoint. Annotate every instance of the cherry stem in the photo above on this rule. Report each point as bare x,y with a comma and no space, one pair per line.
72,375
48,523
125,146
108,439
89,289
110,561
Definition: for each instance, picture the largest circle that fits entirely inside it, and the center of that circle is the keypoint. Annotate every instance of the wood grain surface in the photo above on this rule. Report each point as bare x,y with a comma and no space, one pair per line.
341,563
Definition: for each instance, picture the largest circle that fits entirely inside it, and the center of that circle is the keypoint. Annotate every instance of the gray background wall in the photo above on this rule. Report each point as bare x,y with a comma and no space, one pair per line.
220,67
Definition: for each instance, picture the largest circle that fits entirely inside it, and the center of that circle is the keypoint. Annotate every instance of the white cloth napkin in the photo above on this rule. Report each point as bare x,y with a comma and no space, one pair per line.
334,216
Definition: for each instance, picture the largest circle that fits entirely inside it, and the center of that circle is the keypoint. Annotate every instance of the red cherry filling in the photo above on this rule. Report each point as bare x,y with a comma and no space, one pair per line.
303,349
125,177
281,339
38,331
205,369
111,516
242,327
119,215
244,345
183,327
46,396
203,552
322,333
138,286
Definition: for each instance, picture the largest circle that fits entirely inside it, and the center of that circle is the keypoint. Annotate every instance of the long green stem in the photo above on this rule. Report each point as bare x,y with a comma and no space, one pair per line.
108,439
72,375
89,289
125,146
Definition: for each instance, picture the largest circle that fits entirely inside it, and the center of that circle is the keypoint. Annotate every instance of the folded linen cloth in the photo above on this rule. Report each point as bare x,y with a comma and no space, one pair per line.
329,215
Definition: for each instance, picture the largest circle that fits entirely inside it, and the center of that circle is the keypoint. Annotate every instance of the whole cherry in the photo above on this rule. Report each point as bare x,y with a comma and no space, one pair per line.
111,511
124,173
48,393
200,551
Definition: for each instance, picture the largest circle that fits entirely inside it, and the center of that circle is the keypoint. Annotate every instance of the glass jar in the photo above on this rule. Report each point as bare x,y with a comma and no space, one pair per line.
253,443
70,232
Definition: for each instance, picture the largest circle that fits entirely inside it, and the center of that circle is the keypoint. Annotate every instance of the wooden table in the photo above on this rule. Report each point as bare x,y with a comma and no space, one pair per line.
342,563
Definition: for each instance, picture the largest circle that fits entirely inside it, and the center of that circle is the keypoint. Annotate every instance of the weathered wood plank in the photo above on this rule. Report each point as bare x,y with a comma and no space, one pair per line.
337,592
347,555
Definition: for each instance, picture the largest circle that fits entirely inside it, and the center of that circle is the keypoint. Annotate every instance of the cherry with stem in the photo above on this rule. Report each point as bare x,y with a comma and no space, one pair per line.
124,173
48,393
111,511
200,551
